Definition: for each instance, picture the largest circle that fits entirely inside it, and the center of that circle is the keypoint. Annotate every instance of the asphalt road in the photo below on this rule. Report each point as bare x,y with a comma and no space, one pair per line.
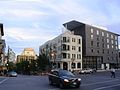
97,81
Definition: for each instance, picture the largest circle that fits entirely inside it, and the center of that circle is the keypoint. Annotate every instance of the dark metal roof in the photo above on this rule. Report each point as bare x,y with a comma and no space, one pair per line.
72,24
1,26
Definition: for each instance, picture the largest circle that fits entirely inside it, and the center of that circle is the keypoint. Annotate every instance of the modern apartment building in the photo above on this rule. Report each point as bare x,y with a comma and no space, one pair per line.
2,48
28,54
65,51
99,46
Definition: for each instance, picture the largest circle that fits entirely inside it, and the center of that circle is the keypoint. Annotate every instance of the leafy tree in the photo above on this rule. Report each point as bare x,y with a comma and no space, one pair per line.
23,67
43,62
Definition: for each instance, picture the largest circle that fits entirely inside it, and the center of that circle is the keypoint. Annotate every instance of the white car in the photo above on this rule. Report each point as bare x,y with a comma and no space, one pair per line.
86,71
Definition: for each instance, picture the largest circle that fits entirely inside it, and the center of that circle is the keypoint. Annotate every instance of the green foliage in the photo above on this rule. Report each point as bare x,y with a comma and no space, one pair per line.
34,66
23,67
43,62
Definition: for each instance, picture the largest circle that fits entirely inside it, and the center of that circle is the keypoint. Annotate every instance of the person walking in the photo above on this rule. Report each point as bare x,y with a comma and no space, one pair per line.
113,73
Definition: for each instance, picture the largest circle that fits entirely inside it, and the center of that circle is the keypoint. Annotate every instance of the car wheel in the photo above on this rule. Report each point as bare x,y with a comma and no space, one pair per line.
50,82
78,86
61,85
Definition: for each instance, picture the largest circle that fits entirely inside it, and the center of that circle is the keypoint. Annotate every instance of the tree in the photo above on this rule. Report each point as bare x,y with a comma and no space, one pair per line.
43,62
23,67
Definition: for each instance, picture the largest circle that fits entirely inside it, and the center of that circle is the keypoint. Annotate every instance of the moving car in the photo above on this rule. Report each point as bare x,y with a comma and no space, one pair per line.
63,78
86,71
12,74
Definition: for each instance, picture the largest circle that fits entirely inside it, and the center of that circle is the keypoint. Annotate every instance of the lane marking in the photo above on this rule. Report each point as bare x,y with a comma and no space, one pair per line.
107,87
100,82
3,80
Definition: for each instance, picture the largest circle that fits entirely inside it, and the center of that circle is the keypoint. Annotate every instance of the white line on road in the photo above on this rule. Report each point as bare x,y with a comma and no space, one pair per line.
100,82
3,80
107,87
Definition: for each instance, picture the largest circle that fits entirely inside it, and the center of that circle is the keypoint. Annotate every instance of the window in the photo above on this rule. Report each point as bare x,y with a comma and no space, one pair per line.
91,37
91,43
73,39
112,42
97,44
116,43
91,30
78,65
107,35
68,56
68,39
103,51
102,33
78,56
92,50
63,47
112,46
111,36
107,40
68,47
64,39
64,55
108,46
97,39
115,37
98,51
97,32
73,56
79,41
79,49
73,47
102,39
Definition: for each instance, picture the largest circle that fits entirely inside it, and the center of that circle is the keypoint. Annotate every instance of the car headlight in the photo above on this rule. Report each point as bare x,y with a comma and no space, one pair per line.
66,80
79,79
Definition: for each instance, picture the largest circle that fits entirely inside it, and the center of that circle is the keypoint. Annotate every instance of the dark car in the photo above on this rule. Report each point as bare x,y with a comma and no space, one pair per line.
12,74
63,78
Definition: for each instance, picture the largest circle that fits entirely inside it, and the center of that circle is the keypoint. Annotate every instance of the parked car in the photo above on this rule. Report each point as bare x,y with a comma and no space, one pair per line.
12,74
63,78
86,71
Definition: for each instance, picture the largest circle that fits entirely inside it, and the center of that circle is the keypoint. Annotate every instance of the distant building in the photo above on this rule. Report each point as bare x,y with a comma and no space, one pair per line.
99,46
28,54
64,51
11,55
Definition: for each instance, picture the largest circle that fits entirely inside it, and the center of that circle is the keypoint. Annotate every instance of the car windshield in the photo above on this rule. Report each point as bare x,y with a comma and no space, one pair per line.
66,73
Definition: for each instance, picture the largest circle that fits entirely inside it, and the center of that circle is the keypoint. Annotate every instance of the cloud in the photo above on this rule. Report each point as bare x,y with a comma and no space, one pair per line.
23,34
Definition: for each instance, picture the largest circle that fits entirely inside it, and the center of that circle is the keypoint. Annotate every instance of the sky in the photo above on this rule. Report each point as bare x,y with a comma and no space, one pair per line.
30,23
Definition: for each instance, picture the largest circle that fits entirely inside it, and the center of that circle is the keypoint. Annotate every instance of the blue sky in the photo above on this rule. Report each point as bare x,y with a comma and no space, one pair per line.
30,23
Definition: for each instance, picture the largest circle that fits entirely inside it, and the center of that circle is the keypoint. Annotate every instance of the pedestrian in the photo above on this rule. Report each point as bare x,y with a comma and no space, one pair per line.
113,73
